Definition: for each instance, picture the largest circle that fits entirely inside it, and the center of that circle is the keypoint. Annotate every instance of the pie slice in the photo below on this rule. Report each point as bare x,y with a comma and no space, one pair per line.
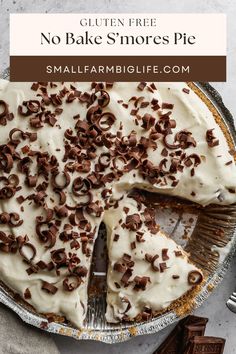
147,270
70,154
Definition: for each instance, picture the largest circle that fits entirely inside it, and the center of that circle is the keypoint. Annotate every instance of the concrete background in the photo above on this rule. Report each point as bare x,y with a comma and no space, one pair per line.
221,321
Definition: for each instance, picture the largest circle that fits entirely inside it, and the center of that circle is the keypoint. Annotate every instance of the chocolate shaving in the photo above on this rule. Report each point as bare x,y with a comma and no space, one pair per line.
165,256
94,209
49,288
178,254
31,181
126,301
148,121
141,283
62,212
119,267
80,271
163,267
126,276
185,90
142,85
212,141
167,105
154,267
8,244
41,264
116,237
174,276
27,294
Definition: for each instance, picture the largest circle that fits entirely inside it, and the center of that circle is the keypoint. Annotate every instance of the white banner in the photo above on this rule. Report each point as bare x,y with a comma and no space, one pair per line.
117,34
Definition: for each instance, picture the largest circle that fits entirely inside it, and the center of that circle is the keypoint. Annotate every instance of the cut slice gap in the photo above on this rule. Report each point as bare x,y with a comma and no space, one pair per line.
97,286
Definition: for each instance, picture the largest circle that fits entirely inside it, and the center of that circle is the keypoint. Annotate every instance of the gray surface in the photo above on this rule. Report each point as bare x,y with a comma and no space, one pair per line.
222,322
17,338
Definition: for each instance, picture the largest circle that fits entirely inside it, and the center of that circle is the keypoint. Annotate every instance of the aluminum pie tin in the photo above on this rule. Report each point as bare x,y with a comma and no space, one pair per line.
96,328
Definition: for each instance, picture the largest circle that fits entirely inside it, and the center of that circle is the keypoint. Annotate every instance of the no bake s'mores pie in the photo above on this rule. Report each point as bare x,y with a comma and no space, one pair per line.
70,153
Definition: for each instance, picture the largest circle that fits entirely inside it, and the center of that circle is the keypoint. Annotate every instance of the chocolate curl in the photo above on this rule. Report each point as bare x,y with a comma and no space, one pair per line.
62,196
59,256
20,134
184,137
71,282
66,180
128,307
7,192
9,244
80,186
61,212
195,277
169,145
24,164
119,163
48,216
196,158
23,252
104,159
133,222
14,220
6,162
104,99
47,236
24,110
4,218
13,180
93,114
106,120
4,109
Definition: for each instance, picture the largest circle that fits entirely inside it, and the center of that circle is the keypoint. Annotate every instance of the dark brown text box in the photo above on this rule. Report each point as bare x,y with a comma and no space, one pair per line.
118,68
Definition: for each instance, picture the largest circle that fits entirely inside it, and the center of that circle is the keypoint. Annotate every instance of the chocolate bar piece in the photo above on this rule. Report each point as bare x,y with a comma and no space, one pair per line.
172,343
194,326
206,345
186,328
193,320
191,331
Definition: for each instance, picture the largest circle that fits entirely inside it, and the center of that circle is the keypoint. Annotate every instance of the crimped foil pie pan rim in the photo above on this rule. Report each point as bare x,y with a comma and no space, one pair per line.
126,331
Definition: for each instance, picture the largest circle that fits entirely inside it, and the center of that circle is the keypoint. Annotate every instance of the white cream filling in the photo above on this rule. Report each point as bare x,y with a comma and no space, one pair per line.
212,179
